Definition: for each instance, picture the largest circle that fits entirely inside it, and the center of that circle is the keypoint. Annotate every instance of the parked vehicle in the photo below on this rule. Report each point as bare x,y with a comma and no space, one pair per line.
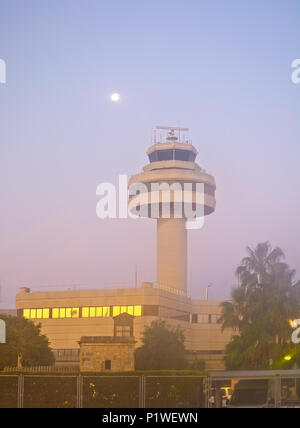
253,394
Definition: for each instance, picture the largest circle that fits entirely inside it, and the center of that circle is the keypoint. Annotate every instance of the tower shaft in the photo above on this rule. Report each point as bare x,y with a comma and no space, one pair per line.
172,254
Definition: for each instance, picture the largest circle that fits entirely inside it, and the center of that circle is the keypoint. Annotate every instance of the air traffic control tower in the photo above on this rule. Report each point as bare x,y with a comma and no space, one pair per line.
173,189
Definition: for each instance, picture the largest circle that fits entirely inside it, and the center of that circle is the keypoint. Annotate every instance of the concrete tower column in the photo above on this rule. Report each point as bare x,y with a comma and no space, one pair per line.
172,254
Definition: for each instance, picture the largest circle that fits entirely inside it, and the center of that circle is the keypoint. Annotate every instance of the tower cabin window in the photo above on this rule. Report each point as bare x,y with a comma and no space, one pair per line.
177,154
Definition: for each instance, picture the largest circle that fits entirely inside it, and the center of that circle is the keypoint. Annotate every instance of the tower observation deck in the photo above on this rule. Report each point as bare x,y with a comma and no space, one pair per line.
162,195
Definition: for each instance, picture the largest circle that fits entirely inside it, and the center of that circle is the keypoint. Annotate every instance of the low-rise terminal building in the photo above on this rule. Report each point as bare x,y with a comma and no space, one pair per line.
66,316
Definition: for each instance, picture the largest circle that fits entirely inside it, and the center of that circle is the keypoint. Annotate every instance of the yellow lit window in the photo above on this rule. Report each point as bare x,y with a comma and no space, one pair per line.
130,310
62,312
99,312
55,313
85,312
32,313
75,312
39,313
116,311
46,313
68,312
123,309
92,312
26,313
137,311
106,311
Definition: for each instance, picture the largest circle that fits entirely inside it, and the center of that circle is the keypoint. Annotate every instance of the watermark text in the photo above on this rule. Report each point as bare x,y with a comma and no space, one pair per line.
153,200
2,71
296,72
296,333
2,332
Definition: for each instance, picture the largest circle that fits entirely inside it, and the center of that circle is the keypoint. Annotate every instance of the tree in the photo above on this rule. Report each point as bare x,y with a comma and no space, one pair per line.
262,306
24,340
162,349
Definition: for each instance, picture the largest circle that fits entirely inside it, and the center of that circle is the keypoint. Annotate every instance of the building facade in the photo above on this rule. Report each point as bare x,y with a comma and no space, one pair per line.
67,316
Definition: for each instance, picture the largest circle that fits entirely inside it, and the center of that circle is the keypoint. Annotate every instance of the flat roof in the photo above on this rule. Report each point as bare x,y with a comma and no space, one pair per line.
8,311
258,374
106,339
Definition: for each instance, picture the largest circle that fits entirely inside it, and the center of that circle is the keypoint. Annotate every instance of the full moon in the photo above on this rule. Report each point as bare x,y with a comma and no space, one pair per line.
115,97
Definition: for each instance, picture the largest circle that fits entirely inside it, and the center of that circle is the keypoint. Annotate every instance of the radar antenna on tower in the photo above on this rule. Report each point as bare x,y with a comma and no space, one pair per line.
173,135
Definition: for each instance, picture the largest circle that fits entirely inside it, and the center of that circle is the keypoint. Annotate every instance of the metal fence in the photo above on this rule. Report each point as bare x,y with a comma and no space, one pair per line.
251,389
71,391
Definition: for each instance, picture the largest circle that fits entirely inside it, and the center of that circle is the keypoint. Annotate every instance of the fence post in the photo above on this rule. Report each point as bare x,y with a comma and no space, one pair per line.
207,383
20,391
79,392
142,392
277,392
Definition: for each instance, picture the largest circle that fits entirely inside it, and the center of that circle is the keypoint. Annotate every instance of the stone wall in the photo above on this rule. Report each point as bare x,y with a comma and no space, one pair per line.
94,355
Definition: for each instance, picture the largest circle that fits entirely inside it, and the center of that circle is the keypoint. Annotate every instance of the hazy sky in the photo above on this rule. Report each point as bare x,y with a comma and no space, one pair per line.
221,68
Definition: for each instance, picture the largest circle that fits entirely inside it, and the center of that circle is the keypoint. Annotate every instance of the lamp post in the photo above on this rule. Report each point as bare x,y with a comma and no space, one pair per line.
206,291
2,331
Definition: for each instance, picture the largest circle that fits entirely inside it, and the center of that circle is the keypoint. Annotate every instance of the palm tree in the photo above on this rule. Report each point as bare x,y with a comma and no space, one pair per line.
254,268
261,307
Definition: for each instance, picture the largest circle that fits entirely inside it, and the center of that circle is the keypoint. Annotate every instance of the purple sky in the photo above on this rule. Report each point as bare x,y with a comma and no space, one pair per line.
223,69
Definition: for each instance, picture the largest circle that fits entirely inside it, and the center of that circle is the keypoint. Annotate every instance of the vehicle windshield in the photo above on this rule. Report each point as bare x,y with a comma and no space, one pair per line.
249,397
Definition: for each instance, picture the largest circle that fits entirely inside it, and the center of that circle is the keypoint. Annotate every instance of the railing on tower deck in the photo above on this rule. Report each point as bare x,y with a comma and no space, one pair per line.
171,289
